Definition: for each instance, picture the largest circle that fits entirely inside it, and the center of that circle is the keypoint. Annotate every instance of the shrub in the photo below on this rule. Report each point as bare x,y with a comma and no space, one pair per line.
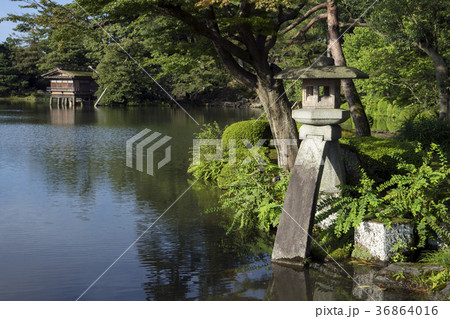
254,191
426,130
421,193
251,130
208,170
211,170
379,156
255,197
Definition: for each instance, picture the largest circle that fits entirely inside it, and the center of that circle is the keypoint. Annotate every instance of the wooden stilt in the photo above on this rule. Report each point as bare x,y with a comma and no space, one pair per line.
50,104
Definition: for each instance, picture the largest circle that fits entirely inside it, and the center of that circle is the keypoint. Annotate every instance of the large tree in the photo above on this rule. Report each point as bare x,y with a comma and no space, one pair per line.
362,127
422,24
243,33
402,76
9,81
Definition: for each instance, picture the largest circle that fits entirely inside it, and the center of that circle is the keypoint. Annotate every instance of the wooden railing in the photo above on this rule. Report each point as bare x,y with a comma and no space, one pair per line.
68,89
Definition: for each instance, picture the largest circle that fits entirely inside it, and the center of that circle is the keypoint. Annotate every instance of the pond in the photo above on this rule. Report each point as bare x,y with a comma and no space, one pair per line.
71,210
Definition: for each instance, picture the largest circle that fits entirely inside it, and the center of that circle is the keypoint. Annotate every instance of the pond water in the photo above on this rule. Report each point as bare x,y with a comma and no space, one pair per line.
70,207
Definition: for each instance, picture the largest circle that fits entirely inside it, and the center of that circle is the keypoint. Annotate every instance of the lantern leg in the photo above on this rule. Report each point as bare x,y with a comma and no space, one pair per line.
333,171
297,219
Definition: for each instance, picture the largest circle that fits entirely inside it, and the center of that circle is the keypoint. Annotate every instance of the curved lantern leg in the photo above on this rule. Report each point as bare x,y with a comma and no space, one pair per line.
297,219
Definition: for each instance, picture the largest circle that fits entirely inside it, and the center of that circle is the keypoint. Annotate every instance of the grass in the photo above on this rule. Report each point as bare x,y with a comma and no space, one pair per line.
361,253
28,98
440,257
435,281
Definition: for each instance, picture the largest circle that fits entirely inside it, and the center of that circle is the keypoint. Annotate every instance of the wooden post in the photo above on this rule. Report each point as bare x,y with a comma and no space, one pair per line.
51,100
99,99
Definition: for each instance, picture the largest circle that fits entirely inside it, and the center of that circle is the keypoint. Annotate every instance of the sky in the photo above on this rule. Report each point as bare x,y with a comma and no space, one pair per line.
7,6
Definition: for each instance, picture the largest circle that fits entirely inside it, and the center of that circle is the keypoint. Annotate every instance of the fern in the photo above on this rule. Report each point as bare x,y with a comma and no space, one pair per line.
420,193
253,198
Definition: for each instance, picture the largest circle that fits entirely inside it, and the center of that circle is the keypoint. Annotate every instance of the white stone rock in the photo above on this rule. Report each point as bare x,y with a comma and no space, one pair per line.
380,241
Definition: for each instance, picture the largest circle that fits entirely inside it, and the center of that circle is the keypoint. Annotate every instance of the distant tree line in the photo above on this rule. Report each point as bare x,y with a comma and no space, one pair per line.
194,47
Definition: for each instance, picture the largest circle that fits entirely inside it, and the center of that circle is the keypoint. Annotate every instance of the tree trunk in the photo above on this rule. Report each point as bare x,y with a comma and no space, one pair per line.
276,105
279,114
270,92
362,126
441,78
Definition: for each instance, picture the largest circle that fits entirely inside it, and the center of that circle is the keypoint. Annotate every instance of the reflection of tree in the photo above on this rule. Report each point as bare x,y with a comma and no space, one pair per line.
186,254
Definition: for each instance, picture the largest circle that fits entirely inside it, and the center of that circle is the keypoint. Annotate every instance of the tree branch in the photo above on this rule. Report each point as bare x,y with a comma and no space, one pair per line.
212,34
304,17
289,16
352,24
303,31
272,40
239,73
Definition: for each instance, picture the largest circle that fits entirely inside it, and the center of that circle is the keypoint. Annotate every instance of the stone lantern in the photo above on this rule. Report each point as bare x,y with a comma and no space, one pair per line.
318,165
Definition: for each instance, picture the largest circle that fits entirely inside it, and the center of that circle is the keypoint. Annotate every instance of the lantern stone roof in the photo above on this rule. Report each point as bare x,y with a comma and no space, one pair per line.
324,68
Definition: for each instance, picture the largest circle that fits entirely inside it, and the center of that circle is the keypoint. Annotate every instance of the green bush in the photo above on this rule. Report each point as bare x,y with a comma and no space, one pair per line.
208,170
252,130
254,190
379,156
421,194
255,197
426,130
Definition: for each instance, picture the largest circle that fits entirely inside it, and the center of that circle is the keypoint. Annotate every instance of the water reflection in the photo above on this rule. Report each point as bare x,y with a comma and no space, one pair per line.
288,283
325,282
62,117
329,282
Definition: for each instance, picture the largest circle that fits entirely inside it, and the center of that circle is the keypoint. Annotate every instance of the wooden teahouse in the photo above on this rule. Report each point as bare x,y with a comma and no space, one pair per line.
70,86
